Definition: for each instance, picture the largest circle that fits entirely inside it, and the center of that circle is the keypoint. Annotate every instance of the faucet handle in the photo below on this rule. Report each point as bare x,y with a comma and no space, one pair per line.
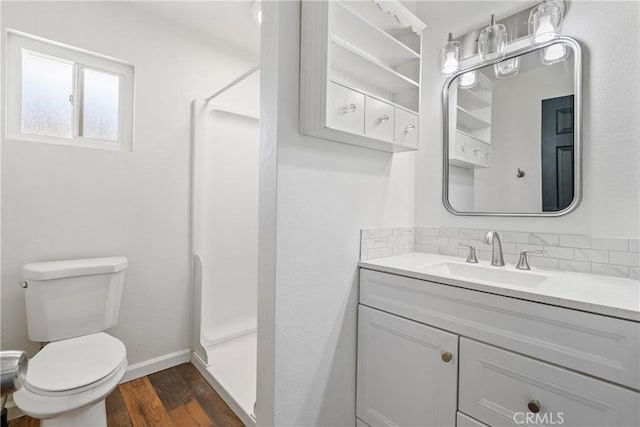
471,258
523,261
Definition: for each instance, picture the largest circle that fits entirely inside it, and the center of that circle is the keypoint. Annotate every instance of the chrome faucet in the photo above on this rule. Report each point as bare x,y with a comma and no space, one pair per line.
492,239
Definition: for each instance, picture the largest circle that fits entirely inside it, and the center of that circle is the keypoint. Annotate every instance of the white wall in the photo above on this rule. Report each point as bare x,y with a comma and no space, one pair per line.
326,192
516,135
63,202
609,34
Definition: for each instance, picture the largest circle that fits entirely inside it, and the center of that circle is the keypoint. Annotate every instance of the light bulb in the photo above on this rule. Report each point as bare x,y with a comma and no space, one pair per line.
508,68
545,30
492,41
256,11
450,63
468,80
545,22
450,56
555,53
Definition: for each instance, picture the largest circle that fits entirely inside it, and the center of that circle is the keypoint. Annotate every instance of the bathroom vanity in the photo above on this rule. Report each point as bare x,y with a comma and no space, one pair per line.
445,343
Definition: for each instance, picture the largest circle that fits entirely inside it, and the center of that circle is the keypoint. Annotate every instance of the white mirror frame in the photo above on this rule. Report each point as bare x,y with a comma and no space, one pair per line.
518,48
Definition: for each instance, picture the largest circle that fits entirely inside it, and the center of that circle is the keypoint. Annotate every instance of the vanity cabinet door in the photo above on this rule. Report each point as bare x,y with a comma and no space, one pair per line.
407,372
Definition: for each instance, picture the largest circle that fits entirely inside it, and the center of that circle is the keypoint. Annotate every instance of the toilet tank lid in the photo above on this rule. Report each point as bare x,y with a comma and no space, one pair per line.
75,267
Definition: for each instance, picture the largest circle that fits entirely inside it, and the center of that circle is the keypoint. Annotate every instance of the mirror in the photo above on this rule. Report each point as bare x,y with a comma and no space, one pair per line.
512,134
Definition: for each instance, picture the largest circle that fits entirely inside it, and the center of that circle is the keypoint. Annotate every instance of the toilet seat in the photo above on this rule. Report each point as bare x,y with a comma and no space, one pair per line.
74,365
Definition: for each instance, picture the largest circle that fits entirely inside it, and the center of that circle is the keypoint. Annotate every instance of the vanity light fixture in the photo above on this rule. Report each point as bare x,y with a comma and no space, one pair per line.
450,56
492,41
545,22
508,68
468,80
555,53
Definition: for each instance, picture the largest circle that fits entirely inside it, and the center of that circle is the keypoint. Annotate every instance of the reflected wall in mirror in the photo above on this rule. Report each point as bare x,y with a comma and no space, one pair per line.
512,137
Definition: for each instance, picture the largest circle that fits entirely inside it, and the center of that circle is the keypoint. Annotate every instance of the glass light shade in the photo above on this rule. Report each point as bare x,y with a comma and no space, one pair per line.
508,68
492,42
545,22
468,80
450,57
555,53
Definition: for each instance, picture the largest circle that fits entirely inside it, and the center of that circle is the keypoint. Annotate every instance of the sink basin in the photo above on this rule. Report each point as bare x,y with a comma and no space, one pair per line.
487,273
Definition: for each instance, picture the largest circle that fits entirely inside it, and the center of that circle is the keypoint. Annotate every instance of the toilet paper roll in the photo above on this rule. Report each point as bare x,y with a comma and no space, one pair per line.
13,370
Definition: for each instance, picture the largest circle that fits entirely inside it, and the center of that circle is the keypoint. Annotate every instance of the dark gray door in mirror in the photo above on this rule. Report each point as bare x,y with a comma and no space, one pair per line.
512,139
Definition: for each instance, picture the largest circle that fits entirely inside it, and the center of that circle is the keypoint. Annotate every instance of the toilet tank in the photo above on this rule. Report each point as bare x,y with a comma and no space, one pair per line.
66,299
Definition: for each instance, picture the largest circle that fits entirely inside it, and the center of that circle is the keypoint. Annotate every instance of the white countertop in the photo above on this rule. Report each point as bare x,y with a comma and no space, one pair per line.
609,296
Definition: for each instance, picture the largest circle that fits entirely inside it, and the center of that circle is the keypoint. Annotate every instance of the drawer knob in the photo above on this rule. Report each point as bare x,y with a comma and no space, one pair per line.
446,357
383,119
409,128
534,406
350,108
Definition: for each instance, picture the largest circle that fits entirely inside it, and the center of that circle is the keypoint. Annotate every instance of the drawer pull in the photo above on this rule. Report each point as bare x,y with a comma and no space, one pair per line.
409,128
350,108
382,119
534,406
446,356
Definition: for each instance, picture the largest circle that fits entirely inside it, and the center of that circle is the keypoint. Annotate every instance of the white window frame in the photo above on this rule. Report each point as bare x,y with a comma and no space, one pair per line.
18,41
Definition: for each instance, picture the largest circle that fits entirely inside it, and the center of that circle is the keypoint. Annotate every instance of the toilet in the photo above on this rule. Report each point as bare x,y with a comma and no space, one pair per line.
69,306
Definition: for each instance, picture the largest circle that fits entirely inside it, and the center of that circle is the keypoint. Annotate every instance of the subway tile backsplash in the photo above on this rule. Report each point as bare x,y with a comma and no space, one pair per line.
611,256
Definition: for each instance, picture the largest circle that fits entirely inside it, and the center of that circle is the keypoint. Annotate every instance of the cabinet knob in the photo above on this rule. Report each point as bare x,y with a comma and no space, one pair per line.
350,108
383,119
409,128
446,356
534,406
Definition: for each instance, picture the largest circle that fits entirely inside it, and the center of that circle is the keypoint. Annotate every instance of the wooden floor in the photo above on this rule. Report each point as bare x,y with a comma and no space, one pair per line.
176,397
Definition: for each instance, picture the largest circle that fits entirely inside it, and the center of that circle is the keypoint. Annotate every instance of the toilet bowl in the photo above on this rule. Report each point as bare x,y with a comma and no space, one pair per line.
68,380
69,305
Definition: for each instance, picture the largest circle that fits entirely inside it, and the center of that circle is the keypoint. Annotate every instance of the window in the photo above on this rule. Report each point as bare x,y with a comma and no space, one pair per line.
64,95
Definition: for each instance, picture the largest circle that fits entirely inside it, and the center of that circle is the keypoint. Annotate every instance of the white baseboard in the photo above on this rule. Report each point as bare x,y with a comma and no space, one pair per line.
12,410
146,367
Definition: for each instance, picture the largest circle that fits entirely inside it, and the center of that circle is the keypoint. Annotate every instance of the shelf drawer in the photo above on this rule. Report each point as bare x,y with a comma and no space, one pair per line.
406,128
501,388
379,119
345,109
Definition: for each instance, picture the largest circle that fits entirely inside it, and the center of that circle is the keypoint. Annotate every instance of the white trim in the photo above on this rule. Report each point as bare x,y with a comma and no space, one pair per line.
147,367
13,411
246,418
229,337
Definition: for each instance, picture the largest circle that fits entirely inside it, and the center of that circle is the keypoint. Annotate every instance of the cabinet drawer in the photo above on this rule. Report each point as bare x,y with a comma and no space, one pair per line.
406,128
463,420
345,109
601,346
503,388
407,372
379,119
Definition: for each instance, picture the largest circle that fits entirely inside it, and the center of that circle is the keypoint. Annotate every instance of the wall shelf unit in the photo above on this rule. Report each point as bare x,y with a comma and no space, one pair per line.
360,73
